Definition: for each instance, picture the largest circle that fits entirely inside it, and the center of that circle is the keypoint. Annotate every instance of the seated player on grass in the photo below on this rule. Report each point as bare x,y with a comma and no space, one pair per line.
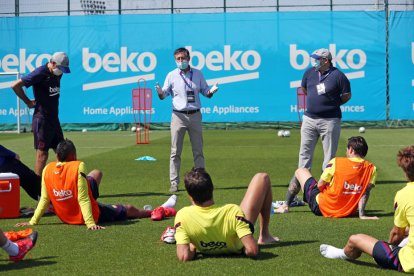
222,229
17,246
73,194
392,254
344,185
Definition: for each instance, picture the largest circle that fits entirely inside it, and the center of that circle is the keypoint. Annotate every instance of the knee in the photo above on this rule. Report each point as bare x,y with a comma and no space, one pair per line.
301,171
42,155
263,177
353,239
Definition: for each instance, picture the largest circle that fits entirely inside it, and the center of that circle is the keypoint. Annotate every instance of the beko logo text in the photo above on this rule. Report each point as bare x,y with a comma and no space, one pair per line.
23,63
62,194
227,60
118,62
344,58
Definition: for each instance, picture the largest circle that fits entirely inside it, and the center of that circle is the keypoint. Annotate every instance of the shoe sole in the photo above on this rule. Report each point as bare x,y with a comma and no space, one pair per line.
33,237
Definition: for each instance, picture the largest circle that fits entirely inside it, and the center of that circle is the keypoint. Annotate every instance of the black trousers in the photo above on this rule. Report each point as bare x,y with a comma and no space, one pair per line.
29,180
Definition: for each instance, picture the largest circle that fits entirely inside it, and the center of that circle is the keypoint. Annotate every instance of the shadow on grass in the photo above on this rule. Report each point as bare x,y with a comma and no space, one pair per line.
358,262
27,263
262,256
391,182
286,243
379,213
135,195
231,188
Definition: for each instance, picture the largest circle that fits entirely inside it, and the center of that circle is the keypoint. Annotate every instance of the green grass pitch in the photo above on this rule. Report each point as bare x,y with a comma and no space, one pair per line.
232,158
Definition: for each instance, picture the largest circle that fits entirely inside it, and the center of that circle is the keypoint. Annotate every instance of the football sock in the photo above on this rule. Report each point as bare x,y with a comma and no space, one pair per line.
404,242
11,248
331,252
170,202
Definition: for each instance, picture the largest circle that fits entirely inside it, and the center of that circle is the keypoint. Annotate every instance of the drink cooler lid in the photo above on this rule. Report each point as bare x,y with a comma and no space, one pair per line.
8,175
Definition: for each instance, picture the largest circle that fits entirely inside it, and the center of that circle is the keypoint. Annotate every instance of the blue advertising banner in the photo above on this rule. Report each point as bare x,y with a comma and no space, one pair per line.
401,69
258,59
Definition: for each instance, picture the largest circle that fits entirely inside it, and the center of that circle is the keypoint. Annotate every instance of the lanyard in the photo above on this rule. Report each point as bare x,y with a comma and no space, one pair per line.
323,77
191,79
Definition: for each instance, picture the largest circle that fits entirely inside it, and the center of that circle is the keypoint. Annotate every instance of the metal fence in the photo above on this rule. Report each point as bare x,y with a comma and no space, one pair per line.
100,7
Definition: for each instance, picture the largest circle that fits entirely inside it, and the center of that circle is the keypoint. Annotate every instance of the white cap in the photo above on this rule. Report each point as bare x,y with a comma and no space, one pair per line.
321,53
62,61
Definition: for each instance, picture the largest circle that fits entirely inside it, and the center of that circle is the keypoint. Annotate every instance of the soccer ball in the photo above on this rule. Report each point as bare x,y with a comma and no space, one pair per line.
286,133
84,130
280,133
362,130
133,129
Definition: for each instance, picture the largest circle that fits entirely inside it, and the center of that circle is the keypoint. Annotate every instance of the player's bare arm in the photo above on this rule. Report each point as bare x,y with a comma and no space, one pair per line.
345,97
322,185
186,252
363,202
396,235
17,87
250,246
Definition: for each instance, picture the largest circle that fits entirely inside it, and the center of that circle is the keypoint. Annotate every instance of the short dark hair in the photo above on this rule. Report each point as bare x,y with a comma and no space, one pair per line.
405,159
199,185
359,145
182,50
64,149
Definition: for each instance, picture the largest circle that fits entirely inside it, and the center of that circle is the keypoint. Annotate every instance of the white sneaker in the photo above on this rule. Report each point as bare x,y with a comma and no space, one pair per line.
170,202
168,236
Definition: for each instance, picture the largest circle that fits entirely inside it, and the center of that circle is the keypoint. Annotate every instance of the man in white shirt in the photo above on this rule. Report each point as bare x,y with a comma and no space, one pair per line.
185,84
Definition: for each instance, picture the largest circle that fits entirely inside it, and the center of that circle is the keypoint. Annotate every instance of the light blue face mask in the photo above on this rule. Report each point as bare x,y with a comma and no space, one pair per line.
182,65
316,63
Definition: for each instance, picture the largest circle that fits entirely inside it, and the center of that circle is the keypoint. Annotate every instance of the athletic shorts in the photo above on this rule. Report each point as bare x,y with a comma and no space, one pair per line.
386,256
108,212
311,190
47,134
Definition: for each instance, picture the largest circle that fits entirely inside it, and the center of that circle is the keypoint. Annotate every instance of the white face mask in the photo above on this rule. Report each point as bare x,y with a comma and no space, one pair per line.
316,63
57,72
182,65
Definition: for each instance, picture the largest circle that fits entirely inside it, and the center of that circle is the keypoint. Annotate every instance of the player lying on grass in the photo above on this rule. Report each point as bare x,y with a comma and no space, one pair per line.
17,246
344,185
222,229
73,194
392,254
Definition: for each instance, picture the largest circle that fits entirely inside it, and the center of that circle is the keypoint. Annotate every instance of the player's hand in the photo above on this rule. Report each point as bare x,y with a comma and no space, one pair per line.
22,224
17,157
213,89
159,89
368,218
96,227
31,104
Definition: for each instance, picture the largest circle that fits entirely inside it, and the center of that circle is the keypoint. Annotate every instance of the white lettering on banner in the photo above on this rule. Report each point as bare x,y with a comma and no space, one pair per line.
412,52
117,111
354,59
23,63
23,111
344,108
227,60
122,62
231,109
3,112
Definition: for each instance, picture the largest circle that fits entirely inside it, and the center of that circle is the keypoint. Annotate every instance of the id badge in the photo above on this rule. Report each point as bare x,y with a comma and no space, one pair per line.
321,88
190,96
